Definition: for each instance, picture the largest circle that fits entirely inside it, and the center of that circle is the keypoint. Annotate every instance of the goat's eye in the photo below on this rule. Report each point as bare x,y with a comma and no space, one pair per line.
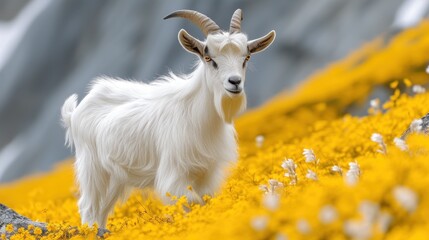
207,58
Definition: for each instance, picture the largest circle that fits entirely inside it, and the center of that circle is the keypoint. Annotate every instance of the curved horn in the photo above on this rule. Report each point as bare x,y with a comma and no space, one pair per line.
206,25
235,25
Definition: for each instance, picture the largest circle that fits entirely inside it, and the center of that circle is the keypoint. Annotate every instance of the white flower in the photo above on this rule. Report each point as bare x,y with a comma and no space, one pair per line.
375,103
406,197
290,166
358,229
303,226
273,183
377,138
416,125
362,229
351,179
352,175
400,143
273,186
281,236
418,89
271,201
354,168
311,175
336,169
383,222
259,223
371,216
309,155
369,211
259,140
427,70
328,214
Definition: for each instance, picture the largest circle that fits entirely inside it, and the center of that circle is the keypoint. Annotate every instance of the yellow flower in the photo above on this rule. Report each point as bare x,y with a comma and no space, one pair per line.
9,228
364,189
394,84
50,228
84,229
72,231
407,82
37,231
18,236
30,227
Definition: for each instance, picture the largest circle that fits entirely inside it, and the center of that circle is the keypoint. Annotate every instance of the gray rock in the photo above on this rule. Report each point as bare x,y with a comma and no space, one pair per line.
9,216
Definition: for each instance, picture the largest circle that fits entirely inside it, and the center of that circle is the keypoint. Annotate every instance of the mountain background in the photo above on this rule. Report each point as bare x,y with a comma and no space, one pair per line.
50,49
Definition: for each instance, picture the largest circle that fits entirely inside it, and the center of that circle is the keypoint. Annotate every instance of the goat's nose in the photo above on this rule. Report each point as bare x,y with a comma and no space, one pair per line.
234,80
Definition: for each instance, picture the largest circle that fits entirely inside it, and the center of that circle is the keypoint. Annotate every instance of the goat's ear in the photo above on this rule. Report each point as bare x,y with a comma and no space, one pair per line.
190,43
260,44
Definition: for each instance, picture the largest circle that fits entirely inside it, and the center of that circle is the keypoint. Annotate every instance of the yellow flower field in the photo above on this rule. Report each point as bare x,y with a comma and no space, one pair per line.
348,183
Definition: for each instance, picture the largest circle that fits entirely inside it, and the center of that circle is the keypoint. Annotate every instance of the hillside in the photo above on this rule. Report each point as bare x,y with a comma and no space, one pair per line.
349,182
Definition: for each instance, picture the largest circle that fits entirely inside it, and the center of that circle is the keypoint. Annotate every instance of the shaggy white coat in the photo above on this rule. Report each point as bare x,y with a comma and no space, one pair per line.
173,133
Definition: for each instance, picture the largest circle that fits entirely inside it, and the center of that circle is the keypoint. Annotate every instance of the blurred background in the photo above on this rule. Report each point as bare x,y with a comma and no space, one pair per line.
50,49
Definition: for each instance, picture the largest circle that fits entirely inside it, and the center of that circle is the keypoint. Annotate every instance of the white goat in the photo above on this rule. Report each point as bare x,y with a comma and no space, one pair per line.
170,134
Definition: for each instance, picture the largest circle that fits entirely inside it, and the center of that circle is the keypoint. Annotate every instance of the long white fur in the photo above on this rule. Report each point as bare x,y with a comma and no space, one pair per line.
173,133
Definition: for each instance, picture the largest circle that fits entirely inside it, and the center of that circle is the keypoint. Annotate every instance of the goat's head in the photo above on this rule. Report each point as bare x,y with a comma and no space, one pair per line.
225,55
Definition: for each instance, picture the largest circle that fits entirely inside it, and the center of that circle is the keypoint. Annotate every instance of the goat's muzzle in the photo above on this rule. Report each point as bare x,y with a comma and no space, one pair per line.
234,85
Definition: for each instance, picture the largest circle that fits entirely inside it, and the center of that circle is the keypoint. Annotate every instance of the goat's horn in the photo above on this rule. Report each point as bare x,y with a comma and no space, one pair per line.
206,25
235,25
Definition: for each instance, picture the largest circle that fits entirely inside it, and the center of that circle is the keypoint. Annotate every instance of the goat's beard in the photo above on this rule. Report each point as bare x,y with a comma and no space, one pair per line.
228,107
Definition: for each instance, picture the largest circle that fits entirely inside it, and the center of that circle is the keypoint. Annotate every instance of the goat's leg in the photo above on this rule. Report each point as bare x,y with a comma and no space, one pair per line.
108,201
211,181
88,202
93,182
174,182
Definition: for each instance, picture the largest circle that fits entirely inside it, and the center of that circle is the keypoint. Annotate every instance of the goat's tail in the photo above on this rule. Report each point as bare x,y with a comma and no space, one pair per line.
66,112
